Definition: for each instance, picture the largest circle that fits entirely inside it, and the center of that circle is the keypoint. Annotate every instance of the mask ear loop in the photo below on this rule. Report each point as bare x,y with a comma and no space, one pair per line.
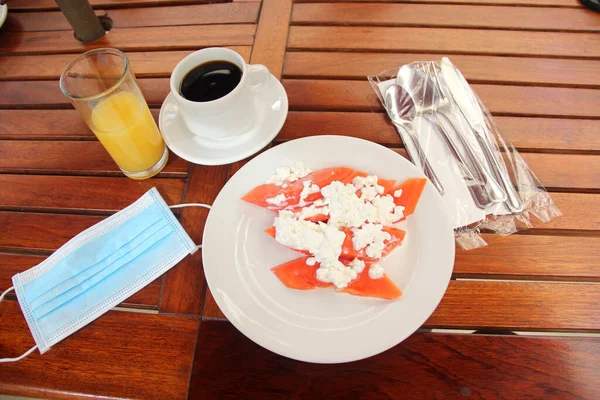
28,352
198,247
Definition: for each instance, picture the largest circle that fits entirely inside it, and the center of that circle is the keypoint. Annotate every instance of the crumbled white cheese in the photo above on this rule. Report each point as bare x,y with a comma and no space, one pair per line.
368,187
357,265
308,188
398,193
345,208
285,174
367,215
311,211
336,273
387,212
376,271
372,238
323,241
277,200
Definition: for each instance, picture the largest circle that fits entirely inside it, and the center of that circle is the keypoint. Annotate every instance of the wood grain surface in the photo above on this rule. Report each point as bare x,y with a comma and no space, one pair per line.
542,258
539,3
143,64
508,305
477,69
51,230
272,34
225,13
121,354
341,95
445,40
426,365
539,134
70,157
15,263
190,37
26,5
442,15
184,285
80,194
533,63
516,306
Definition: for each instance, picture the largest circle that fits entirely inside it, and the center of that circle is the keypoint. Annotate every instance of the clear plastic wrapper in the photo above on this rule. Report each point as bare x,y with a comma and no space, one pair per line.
485,184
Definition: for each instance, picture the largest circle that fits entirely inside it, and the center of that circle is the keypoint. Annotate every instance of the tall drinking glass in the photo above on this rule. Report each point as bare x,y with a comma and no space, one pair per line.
103,89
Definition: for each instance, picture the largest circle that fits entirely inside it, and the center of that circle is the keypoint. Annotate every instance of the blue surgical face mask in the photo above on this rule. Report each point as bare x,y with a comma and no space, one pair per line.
100,268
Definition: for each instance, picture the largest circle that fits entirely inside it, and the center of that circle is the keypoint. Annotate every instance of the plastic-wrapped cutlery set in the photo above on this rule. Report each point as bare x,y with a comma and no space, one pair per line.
485,184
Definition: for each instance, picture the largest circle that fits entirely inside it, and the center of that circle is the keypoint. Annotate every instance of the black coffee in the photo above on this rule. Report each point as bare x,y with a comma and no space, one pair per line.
210,81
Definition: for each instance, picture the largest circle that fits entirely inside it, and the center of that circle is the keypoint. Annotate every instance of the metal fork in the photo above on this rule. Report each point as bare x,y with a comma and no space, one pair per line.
440,105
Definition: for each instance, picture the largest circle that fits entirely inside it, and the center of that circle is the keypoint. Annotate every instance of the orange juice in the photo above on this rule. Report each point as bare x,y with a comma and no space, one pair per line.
123,124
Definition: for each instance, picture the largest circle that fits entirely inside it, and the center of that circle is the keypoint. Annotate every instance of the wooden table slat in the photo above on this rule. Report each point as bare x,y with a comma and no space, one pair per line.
225,13
26,5
477,69
538,3
516,306
143,64
184,284
67,157
524,133
121,354
508,305
15,263
272,34
80,194
130,39
444,40
426,365
442,15
51,230
499,99
560,171
340,95
532,257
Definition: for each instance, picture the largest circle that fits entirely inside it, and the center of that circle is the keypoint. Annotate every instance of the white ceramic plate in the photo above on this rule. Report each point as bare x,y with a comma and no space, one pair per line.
271,108
321,325
3,14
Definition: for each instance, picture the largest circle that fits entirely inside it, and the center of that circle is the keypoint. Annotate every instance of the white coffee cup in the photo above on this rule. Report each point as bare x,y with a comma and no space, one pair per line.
229,116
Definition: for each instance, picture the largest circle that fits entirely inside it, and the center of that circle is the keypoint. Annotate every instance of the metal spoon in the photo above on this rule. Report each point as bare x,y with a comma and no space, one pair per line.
400,108
429,102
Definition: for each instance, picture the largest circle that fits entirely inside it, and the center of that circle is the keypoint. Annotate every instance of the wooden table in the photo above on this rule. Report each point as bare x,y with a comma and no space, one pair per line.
536,65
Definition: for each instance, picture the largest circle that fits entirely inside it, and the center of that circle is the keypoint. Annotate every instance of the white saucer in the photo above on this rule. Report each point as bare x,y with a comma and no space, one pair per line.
271,109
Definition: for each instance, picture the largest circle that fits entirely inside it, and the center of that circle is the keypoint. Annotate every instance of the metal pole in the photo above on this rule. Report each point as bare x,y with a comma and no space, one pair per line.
82,18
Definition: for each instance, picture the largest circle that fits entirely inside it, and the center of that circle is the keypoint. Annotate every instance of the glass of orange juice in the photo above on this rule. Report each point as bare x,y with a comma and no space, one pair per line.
103,89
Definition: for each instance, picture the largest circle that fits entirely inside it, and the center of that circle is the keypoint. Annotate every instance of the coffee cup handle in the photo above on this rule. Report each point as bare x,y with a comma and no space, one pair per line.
258,77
